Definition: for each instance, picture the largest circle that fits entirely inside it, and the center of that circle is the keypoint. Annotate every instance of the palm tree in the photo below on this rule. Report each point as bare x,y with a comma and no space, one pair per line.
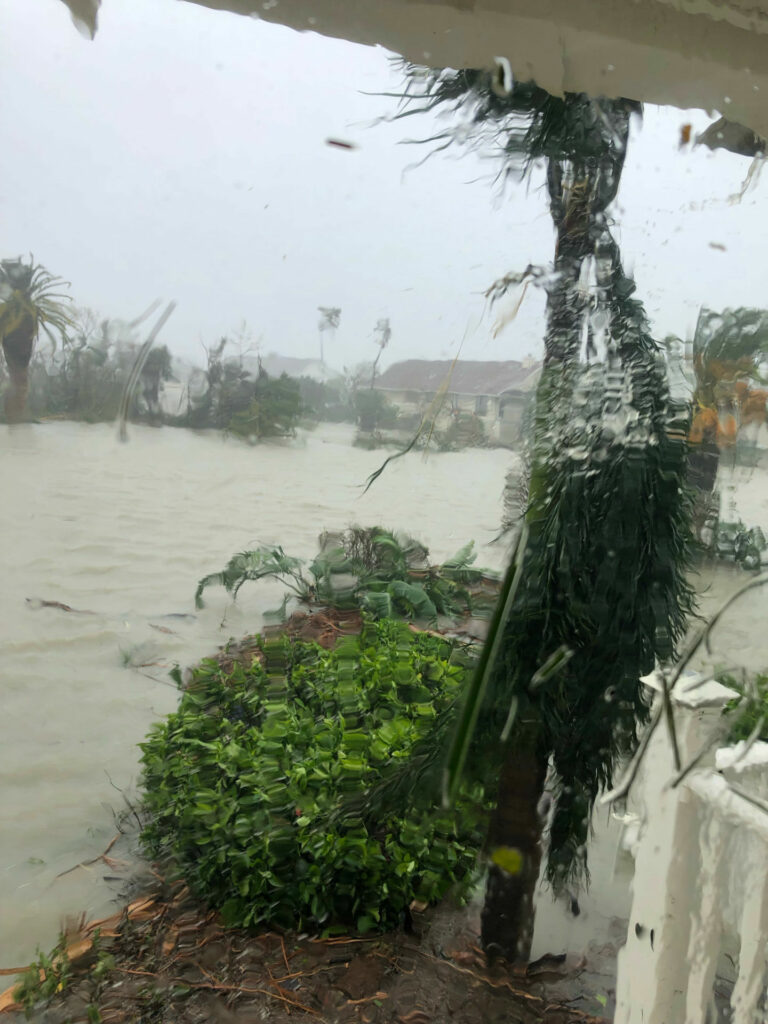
329,321
728,348
383,334
596,589
29,299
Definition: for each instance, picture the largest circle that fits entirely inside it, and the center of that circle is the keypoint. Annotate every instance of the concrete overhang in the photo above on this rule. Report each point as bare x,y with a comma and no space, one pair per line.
710,54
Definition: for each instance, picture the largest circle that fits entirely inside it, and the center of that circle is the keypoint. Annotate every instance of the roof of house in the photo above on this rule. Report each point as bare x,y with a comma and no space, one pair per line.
465,377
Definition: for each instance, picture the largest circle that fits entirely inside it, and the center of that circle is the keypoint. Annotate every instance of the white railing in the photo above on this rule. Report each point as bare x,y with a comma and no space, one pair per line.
700,888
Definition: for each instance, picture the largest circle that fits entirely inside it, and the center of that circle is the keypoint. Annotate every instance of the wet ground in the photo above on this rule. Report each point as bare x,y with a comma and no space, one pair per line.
164,957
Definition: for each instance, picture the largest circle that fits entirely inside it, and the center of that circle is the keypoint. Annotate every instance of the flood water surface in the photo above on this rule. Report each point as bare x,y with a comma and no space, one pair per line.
120,534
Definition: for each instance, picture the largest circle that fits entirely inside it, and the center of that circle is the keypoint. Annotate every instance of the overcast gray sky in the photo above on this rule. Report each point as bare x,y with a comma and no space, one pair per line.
183,155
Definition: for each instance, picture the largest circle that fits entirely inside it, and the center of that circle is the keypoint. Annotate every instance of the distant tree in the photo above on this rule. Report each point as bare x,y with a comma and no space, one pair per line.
273,410
326,400
728,349
383,333
156,370
330,318
372,409
30,299
226,389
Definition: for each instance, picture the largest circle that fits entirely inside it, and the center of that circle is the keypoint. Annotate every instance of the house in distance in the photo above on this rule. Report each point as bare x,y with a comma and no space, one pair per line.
497,392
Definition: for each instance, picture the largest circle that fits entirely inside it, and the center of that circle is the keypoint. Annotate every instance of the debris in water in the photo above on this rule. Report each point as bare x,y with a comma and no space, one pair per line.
36,604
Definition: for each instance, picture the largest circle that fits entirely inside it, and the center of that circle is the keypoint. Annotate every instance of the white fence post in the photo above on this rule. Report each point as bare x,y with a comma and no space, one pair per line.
654,967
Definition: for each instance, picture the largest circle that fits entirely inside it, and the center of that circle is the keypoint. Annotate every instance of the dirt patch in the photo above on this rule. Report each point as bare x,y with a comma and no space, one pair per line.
324,627
165,958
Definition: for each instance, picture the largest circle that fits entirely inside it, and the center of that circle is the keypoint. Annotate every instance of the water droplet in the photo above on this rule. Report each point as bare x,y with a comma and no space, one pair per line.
726,99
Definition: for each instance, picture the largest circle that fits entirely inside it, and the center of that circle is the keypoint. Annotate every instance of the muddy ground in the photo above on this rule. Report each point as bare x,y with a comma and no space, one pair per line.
166,959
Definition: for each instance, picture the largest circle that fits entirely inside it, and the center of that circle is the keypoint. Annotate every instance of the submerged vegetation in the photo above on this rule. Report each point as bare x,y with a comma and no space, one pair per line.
247,783
381,572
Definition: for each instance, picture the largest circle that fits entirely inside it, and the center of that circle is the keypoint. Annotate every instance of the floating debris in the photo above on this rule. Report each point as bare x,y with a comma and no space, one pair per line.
35,603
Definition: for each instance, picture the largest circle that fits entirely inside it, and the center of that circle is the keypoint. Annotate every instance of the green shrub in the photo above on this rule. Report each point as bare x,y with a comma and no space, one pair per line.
748,711
251,784
273,410
45,976
385,574
373,410
466,430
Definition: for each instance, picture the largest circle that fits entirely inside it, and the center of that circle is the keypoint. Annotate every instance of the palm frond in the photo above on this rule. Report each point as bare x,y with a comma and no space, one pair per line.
38,290
250,566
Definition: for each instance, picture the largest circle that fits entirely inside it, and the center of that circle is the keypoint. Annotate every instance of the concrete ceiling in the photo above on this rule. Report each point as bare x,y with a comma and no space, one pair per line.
711,54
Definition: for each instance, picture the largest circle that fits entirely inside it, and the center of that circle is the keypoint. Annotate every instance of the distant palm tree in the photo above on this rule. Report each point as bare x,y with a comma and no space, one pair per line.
329,321
728,348
383,334
29,300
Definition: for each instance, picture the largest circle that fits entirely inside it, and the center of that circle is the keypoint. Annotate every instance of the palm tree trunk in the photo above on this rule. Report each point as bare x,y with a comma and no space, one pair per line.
507,918
579,194
17,349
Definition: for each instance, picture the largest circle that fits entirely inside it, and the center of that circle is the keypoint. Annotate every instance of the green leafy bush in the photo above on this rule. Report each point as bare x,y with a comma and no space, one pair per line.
273,411
253,784
748,711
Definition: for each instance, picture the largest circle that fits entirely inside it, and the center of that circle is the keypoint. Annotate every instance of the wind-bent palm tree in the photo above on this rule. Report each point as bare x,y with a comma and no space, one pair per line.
728,348
29,299
596,589
383,333
329,321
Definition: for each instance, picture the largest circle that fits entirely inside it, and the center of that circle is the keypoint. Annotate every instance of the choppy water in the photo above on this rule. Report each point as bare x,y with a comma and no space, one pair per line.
125,531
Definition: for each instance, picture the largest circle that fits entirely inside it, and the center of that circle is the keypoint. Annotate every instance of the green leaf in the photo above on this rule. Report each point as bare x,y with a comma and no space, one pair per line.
471,707
414,597
248,784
